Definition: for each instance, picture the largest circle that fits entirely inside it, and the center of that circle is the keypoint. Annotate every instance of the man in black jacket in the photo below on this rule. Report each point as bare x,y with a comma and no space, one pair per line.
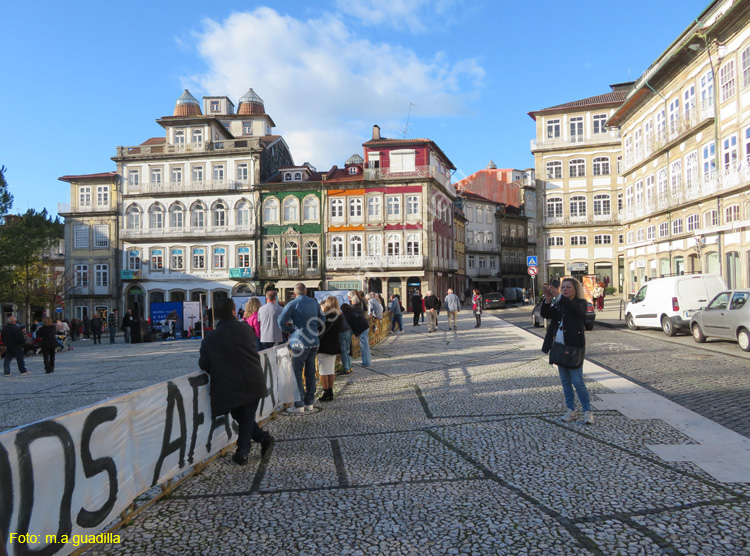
416,306
13,339
238,384
432,305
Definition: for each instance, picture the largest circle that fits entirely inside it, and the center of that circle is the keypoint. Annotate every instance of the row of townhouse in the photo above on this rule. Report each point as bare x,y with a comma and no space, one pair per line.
216,207
653,178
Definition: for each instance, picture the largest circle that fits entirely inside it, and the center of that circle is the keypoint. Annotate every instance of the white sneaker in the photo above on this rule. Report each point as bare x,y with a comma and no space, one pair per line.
295,410
588,418
309,407
570,415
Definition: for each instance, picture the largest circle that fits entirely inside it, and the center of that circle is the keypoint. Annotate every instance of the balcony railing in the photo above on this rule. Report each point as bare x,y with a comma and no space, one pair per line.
550,221
418,172
67,208
590,139
185,186
168,233
375,262
141,151
289,272
482,247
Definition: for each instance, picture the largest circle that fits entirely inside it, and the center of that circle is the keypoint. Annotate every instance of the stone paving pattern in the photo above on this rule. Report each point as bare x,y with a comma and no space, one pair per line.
451,444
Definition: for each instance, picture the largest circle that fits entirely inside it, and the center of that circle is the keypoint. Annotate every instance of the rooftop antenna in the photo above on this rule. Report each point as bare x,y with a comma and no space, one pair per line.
405,132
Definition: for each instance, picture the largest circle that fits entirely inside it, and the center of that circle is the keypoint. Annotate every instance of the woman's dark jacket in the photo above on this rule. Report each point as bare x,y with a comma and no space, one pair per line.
357,322
329,338
573,315
416,303
48,336
228,354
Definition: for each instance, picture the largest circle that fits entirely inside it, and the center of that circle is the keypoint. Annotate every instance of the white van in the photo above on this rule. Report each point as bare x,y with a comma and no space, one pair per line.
669,302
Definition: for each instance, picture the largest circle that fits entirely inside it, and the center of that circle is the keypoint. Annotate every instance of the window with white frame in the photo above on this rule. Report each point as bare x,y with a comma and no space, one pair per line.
157,259
648,135
602,239
352,170
134,178
101,236
102,196
619,164
729,152
271,253
471,261
271,211
661,183
247,128
639,195
197,136
242,214
732,214
155,176
553,129
175,175
337,246
355,247
674,117
220,257
133,260
693,222
711,218
242,172
629,198
688,101
628,145
576,129
554,170
197,175
199,258
661,124
579,240
412,205
709,161
133,218
726,81
638,143
312,255
747,144
555,241
602,204
393,206
554,207
288,176
80,237
291,209
393,245
101,275
577,206
218,170
651,232
677,226
374,207
480,215
413,244
601,166
198,215
577,168
707,89
81,276
691,171
676,177
243,257
663,229
488,238
630,237
311,209
355,209
650,190
640,235
374,245
337,209
156,217
493,262
177,258
219,215
403,161
84,197
599,121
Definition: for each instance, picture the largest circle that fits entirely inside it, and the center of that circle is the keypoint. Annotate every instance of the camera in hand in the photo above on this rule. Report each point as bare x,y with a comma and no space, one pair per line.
555,283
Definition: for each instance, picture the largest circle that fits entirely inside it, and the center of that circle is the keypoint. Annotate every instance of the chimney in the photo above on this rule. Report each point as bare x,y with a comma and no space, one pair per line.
375,132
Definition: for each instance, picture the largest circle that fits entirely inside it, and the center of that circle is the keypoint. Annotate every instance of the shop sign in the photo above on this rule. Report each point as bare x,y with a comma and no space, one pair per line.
344,285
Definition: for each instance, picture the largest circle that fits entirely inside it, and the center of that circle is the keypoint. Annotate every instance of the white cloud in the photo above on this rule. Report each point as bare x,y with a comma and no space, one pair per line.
408,15
323,86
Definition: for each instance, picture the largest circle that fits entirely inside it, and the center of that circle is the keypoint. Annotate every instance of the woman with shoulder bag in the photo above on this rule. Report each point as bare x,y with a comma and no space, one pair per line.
565,342
476,306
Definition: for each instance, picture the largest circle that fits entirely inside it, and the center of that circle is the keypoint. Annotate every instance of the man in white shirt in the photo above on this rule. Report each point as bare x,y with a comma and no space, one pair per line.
453,306
268,314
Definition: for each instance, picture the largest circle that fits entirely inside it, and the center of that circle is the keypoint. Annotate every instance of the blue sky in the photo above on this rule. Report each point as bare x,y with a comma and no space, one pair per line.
80,78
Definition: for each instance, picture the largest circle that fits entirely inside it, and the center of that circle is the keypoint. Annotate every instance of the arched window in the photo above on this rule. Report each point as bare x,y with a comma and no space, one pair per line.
413,246
577,168
198,215
337,247
554,207
312,255
374,246
156,217
271,254
577,206
133,217
270,210
311,209
219,215
291,209
602,205
179,137
355,209
601,166
693,222
554,170
393,246
374,207
197,136
242,212
291,255
337,209
355,247
176,216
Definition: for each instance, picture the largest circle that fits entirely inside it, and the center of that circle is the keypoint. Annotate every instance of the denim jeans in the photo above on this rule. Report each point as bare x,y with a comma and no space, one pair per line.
17,354
571,378
364,348
126,331
112,332
248,427
397,319
345,344
303,361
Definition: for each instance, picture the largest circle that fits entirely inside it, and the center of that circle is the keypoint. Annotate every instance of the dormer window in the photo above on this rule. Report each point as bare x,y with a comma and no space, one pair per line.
298,176
352,170
247,128
214,106
287,176
197,136
179,137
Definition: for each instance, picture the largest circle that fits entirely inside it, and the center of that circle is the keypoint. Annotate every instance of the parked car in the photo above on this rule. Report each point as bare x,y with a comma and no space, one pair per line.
668,303
537,320
494,301
726,316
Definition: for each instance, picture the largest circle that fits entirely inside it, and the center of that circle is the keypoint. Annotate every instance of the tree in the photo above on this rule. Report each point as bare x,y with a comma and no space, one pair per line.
6,199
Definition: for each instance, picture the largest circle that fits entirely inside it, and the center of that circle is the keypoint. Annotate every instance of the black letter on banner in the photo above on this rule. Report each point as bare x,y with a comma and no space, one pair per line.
26,480
198,418
93,467
269,378
174,398
6,494
217,422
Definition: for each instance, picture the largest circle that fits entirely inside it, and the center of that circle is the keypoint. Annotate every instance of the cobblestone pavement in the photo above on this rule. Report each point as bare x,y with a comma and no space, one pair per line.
451,444
711,379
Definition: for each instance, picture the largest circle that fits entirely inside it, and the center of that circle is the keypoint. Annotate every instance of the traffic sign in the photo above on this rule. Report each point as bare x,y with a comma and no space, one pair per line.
531,261
533,270
58,309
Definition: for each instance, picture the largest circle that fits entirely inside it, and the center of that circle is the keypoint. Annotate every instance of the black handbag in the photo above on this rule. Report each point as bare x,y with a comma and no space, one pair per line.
567,356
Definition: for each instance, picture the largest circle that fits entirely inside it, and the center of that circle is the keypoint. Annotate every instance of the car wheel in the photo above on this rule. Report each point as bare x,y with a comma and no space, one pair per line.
698,334
589,326
631,322
743,338
667,326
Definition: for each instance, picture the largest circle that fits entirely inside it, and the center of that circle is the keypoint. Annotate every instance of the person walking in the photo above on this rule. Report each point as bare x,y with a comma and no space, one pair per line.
360,327
453,306
112,322
128,321
397,315
566,308
250,316
74,328
13,339
270,333
329,346
416,306
96,328
86,325
432,305
476,306
303,319
47,334
237,383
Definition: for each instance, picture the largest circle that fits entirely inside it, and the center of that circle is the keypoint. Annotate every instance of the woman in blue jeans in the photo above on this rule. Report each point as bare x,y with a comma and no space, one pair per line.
566,307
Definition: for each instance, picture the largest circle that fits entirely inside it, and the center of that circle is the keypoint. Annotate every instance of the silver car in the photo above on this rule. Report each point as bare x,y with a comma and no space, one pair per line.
726,316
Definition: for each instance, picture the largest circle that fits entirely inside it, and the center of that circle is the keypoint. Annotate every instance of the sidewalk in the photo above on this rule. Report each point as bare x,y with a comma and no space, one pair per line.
451,444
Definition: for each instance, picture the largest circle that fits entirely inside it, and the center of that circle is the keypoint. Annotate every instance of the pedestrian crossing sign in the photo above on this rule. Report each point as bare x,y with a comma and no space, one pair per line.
531,261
